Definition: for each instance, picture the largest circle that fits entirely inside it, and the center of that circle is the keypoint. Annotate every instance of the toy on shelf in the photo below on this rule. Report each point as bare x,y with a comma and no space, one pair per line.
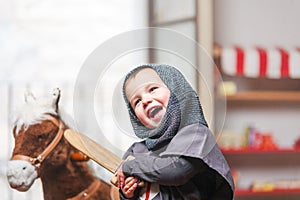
250,139
258,140
230,140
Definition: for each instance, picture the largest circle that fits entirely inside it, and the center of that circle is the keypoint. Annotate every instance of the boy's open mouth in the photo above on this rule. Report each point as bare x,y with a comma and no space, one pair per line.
154,111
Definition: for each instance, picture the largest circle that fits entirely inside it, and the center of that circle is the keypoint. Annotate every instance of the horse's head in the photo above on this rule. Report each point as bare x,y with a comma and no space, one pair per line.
39,143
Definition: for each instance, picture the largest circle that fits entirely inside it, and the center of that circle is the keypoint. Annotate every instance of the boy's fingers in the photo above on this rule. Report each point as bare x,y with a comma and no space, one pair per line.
130,179
129,190
121,179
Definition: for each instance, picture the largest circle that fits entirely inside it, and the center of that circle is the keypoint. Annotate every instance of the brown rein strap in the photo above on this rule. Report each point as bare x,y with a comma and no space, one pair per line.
40,158
89,192
85,194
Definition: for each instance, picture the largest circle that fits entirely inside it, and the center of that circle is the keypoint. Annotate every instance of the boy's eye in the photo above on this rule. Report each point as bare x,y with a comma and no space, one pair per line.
136,102
152,89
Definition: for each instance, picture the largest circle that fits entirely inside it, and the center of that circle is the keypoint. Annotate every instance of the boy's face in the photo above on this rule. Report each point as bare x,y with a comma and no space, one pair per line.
148,96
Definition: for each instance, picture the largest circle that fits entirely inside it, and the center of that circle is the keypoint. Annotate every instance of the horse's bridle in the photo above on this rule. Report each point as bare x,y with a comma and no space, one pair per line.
37,161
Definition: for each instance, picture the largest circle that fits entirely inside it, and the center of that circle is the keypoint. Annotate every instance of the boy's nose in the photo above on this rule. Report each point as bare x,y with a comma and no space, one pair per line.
146,99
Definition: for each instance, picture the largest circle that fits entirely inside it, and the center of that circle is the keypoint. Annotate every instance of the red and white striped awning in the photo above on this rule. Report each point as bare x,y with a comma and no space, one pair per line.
261,62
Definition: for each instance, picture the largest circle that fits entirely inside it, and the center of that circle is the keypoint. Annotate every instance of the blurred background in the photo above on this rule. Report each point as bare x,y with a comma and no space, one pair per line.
44,44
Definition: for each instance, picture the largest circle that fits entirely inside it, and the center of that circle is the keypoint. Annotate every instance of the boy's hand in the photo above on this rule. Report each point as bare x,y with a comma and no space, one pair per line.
129,187
127,184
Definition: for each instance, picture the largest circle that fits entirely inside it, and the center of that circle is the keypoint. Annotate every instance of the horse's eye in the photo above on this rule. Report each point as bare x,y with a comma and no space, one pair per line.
42,136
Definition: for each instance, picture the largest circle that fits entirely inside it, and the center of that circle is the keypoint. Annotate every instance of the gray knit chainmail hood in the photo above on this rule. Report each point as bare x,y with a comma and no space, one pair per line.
183,108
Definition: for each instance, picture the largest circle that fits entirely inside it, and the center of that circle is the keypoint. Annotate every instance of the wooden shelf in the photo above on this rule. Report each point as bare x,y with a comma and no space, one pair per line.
258,151
291,96
249,192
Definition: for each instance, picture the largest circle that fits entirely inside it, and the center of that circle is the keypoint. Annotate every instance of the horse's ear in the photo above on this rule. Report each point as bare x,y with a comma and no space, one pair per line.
28,96
56,97
15,131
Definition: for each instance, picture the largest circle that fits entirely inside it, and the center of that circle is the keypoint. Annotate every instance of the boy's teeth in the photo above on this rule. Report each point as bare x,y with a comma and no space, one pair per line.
154,111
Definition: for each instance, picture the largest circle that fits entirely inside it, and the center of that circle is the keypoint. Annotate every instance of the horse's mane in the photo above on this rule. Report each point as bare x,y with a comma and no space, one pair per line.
34,112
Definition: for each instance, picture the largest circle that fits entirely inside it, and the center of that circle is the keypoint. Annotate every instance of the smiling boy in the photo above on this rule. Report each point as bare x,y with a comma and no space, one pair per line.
179,157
